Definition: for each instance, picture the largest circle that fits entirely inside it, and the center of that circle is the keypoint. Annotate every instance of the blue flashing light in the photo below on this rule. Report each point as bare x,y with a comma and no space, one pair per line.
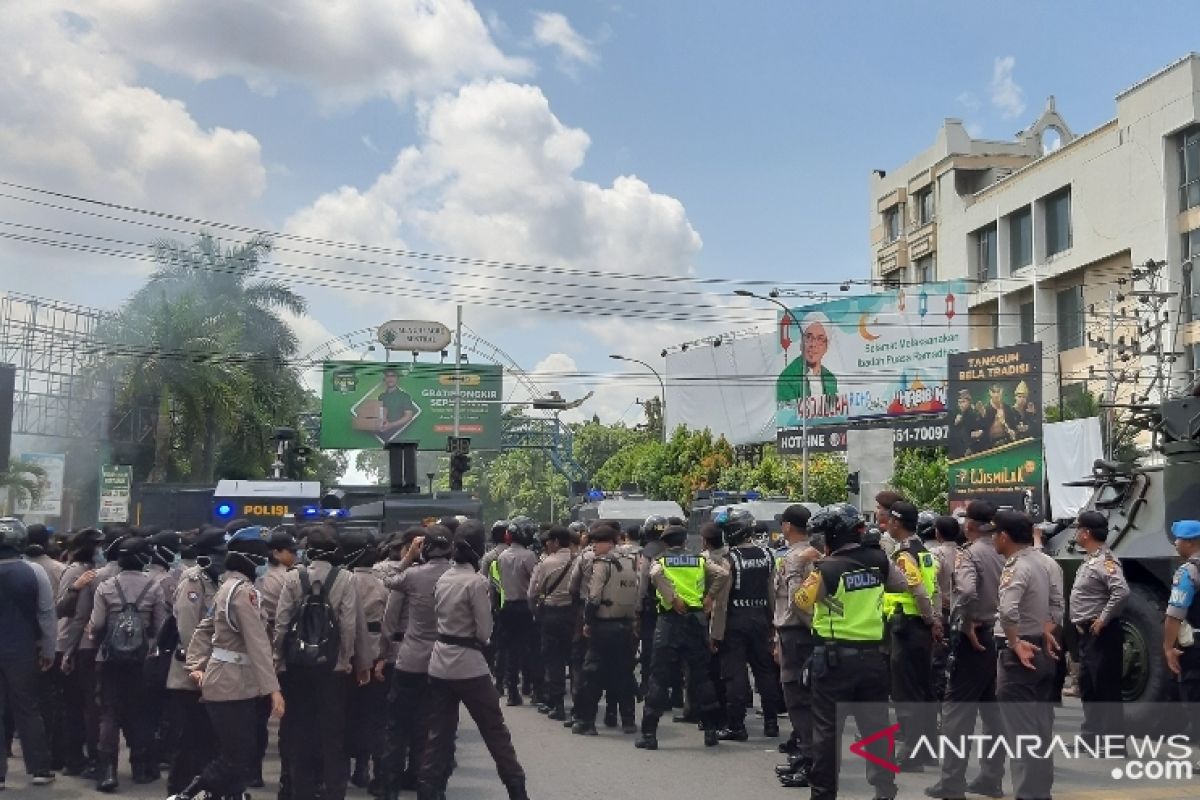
310,511
336,512
224,510
753,496
595,495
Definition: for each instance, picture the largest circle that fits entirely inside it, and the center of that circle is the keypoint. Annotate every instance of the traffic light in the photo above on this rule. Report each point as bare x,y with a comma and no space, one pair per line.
853,487
460,463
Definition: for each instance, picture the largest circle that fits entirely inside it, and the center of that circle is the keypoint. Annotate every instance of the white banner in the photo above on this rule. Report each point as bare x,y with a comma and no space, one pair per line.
50,502
728,389
1071,447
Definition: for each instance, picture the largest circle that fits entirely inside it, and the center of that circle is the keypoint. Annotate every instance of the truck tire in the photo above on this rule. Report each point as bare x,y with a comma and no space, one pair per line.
1145,677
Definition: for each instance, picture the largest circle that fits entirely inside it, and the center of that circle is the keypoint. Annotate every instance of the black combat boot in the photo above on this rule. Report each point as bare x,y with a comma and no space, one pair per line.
516,791
106,776
797,779
649,738
427,791
731,734
582,728
712,737
558,712
361,776
190,791
771,727
610,717
514,698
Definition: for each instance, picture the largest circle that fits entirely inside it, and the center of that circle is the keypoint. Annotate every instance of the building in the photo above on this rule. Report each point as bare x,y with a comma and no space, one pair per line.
1046,226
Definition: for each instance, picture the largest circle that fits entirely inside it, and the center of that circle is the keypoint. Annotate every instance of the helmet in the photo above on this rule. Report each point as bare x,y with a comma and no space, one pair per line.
925,522
736,523
12,533
522,529
578,527
654,525
838,524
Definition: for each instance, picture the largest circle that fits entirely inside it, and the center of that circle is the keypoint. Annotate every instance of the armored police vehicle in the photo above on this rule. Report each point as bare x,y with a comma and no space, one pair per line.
624,507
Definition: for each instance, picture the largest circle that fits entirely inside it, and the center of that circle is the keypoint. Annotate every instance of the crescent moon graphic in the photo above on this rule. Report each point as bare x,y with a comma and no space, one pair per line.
862,329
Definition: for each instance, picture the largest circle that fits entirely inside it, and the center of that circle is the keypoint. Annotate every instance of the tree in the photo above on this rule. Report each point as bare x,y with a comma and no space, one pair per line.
22,481
594,444
922,476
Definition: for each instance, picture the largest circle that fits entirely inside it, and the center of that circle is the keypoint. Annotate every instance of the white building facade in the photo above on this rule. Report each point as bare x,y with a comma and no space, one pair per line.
1046,226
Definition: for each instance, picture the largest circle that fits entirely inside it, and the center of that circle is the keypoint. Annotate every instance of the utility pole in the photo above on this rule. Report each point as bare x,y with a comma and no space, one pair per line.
1109,379
457,373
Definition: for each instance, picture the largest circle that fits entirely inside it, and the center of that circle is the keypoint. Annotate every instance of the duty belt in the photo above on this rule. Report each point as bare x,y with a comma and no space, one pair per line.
748,604
229,656
468,642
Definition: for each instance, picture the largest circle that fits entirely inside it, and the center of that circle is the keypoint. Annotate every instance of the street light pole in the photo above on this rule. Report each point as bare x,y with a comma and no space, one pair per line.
662,405
803,405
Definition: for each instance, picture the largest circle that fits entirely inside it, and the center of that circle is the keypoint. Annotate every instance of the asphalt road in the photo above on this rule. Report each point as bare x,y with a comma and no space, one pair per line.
566,767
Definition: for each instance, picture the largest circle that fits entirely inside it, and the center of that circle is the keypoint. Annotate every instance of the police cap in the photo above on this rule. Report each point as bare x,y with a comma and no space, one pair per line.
1186,529
210,541
282,540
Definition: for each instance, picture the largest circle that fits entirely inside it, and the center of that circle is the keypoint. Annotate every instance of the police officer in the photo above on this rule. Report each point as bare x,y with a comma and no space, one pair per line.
121,671
940,535
741,627
578,581
497,651
794,640
844,593
610,615
459,673
194,742
1180,647
685,586
365,705
652,548
316,693
913,626
230,659
971,666
515,566
411,597
550,594
79,753
1025,665
1098,595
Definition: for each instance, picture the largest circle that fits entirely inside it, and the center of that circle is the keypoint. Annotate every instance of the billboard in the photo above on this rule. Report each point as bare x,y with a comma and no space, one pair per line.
877,356
911,433
50,503
725,389
116,485
995,444
368,405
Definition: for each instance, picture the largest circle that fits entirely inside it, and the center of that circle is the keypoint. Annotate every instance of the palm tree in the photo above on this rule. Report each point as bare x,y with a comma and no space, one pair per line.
247,307
22,480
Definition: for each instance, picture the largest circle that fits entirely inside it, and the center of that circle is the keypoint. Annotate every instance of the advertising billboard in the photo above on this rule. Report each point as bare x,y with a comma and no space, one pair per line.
912,433
368,405
995,444
49,504
726,389
116,486
876,356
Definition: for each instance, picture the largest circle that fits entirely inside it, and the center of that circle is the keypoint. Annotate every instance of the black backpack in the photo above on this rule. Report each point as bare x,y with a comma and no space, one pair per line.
125,637
314,637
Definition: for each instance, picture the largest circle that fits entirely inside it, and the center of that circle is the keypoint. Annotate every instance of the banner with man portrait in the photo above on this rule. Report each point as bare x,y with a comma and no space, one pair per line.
871,356
995,420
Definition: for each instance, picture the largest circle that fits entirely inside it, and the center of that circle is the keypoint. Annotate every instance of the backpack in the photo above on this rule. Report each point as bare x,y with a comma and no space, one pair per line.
125,636
313,636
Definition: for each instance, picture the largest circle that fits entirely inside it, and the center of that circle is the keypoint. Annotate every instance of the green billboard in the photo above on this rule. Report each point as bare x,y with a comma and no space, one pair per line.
368,405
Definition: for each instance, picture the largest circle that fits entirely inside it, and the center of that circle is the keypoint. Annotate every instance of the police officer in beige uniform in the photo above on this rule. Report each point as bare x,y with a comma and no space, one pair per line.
121,672
794,638
316,694
79,749
411,598
1025,669
366,704
459,673
516,565
230,659
550,596
610,614
282,547
194,741
971,668
1098,595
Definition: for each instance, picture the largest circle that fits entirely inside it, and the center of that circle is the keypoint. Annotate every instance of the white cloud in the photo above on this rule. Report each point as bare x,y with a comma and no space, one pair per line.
493,177
551,29
1007,96
968,100
347,50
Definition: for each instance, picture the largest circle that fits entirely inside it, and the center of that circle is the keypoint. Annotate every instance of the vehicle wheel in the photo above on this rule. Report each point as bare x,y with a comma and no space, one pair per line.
1145,678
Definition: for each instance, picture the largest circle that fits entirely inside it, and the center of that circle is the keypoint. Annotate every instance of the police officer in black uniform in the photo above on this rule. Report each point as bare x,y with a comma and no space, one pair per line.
742,626
652,548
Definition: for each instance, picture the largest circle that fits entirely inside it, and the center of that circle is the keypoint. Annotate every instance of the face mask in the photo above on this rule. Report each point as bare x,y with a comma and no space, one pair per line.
177,560
300,557
260,571
98,558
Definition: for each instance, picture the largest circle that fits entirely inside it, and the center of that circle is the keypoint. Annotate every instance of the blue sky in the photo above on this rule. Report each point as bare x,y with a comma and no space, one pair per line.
753,126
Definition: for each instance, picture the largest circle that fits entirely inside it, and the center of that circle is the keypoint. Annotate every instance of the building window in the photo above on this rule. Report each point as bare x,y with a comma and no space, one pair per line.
1191,250
892,281
985,253
1026,314
926,272
1189,170
1058,221
1069,304
925,207
891,224
1020,237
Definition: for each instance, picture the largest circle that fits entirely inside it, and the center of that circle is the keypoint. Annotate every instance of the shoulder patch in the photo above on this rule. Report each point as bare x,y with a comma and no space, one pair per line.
193,597
1111,566
960,557
1006,576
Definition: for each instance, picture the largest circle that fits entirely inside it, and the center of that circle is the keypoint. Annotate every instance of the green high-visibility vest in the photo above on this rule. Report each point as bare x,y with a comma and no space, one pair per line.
494,574
904,601
854,613
686,574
